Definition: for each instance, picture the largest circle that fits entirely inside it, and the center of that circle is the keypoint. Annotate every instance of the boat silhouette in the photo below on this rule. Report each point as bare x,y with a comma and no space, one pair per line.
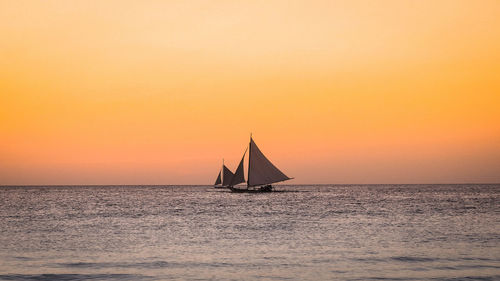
261,173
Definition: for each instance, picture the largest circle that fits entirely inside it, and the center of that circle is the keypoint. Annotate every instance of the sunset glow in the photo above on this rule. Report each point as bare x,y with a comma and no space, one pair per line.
158,92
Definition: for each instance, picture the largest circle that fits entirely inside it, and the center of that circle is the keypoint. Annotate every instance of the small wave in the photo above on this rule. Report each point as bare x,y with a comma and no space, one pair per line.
477,259
21,258
477,266
338,271
399,259
380,278
446,268
469,278
67,277
158,265
150,265
413,259
370,260
467,266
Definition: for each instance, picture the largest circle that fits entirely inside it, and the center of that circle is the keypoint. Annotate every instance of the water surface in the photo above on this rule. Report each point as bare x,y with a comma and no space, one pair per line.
341,232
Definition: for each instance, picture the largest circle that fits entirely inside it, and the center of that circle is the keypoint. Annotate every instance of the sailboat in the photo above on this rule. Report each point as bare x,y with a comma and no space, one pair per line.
224,178
261,172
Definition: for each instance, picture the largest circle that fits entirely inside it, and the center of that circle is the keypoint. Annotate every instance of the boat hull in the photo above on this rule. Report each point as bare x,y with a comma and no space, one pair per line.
265,188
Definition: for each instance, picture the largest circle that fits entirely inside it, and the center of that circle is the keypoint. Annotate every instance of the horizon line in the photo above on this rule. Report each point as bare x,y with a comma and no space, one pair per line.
205,185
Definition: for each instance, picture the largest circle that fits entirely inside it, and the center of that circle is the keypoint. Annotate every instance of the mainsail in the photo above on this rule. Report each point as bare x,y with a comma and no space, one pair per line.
260,170
227,176
239,174
218,181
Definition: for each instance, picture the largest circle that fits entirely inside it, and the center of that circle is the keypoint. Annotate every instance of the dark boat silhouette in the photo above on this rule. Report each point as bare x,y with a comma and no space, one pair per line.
261,173
224,178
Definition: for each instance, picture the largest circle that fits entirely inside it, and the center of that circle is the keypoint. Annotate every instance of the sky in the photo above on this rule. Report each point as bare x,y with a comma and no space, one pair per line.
158,92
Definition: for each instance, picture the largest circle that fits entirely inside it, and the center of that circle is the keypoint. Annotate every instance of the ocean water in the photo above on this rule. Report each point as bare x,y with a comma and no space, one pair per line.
326,232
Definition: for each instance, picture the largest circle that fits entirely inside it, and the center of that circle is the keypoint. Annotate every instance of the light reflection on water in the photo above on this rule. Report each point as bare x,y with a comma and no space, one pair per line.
350,232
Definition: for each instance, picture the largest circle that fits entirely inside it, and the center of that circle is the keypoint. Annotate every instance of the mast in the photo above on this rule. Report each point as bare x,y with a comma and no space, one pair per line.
222,172
249,159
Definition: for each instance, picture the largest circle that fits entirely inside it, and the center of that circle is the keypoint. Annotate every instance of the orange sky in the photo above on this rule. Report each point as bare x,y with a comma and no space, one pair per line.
157,92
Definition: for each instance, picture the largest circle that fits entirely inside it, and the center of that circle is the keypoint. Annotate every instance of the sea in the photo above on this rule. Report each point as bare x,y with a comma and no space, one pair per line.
301,232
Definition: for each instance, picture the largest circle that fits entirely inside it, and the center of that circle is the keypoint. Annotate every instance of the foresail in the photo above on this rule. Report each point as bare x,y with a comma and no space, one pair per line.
227,176
218,181
260,170
239,175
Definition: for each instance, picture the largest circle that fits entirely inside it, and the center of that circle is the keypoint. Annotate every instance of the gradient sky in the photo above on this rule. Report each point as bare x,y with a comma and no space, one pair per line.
157,92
